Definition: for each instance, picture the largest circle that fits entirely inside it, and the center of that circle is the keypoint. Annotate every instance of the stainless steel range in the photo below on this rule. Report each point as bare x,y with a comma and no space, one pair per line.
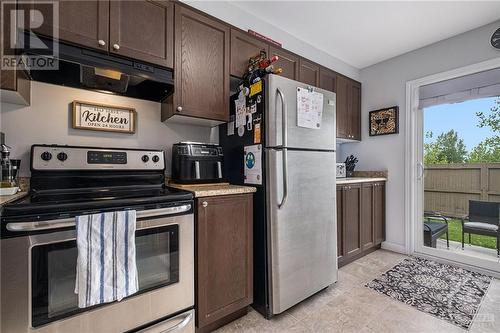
39,251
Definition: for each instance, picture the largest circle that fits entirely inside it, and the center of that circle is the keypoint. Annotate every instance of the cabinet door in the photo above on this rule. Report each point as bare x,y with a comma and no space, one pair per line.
355,110
342,90
367,221
82,22
352,219
308,72
201,66
289,62
243,47
379,212
142,30
224,256
327,79
340,225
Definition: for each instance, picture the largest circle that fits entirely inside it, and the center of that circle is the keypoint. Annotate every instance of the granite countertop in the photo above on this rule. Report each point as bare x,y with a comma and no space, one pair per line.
4,199
353,180
212,190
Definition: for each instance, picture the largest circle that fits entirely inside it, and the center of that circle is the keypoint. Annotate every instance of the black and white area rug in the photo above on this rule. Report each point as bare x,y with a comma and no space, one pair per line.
451,293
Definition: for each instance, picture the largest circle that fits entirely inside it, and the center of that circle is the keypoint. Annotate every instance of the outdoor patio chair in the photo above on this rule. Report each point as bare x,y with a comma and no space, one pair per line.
483,219
435,225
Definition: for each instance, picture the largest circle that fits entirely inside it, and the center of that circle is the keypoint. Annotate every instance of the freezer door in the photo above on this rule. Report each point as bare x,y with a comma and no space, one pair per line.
303,256
281,89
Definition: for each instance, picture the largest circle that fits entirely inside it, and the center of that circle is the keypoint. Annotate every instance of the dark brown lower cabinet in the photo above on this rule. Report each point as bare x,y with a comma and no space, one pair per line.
352,217
224,259
379,212
360,220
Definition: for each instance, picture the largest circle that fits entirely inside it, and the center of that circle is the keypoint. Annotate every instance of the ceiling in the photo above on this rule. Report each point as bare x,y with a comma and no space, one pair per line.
364,33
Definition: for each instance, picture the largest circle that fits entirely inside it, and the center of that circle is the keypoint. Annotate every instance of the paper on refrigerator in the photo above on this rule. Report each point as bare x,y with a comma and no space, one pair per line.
240,110
253,164
309,108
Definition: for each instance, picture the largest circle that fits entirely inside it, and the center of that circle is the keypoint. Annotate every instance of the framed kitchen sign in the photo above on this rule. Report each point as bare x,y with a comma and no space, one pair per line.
101,117
384,121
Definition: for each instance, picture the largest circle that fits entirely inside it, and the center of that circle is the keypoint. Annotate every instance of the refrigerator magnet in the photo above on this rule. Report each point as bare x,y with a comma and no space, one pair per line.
253,164
256,133
241,130
249,122
230,126
253,108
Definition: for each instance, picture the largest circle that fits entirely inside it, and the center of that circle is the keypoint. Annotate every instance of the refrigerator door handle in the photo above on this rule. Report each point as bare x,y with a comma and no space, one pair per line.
285,178
284,115
284,144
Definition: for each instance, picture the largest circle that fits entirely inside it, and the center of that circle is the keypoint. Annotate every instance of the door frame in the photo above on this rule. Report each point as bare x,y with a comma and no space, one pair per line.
414,172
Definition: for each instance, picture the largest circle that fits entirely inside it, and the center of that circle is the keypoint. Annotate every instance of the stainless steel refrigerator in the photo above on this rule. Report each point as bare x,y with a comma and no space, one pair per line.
295,242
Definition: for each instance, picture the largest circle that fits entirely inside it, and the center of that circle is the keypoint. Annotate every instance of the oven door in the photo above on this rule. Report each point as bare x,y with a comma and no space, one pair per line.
160,262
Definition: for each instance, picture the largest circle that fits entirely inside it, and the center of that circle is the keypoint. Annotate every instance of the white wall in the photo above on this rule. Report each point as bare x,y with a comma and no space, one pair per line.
48,121
242,19
383,85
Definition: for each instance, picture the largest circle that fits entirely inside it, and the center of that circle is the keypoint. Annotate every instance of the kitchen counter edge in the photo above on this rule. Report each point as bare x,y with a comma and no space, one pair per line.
354,180
215,190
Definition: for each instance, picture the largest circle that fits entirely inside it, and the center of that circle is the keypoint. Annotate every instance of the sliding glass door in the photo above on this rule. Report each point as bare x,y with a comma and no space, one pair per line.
457,183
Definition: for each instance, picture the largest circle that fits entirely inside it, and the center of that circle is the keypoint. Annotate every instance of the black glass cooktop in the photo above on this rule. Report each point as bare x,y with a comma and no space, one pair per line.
92,199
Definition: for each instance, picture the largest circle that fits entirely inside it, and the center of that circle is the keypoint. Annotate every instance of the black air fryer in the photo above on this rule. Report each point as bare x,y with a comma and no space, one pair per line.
195,163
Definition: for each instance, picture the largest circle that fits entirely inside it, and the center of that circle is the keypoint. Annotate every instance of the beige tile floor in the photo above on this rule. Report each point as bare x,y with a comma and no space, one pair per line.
348,306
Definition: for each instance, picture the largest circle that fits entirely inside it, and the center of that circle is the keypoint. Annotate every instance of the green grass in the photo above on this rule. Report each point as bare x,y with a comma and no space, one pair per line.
455,232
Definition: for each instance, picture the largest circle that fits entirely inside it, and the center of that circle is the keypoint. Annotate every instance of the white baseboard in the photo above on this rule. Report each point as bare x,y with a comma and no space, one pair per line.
394,247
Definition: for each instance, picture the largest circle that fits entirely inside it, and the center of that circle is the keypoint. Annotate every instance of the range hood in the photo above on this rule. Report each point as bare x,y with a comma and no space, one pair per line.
86,69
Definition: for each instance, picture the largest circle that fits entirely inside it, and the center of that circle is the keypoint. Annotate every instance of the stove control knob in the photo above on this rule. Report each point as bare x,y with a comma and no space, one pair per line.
145,158
155,158
46,156
62,156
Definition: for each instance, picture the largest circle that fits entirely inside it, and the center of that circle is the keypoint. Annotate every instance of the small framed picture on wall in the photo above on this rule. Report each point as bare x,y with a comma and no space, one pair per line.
384,121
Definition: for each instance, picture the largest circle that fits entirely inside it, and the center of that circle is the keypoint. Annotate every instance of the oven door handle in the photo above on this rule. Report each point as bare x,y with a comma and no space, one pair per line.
186,318
70,222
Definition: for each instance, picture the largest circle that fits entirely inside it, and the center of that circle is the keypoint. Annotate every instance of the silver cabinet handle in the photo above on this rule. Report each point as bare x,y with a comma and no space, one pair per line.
197,169
116,46
186,318
179,109
101,42
70,222
219,169
204,204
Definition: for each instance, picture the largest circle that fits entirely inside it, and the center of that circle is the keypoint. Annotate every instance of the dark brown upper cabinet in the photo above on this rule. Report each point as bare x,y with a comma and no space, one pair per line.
142,30
342,91
85,23
308,72
355,109
224,257
243,47
348,108
327,79
288,61
15,86
201,68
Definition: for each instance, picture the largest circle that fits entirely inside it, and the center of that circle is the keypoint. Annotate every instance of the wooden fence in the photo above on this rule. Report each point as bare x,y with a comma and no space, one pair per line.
449,187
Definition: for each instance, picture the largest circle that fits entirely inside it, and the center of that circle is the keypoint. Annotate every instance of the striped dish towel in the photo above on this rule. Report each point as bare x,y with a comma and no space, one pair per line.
106,268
